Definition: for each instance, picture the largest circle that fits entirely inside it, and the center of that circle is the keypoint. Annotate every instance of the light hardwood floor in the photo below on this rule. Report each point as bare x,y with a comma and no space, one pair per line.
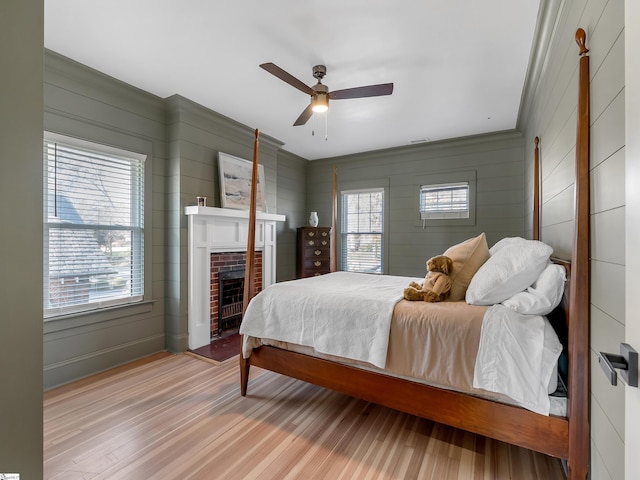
178,417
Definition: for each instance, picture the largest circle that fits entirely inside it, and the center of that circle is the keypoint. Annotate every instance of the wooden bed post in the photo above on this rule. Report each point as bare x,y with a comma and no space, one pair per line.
536,190
334,221
249,274
579,298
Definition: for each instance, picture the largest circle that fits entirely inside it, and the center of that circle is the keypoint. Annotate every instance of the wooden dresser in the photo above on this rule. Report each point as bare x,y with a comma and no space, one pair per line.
313,251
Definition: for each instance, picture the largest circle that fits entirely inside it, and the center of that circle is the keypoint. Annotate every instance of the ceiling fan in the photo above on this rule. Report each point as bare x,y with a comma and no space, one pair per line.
320,93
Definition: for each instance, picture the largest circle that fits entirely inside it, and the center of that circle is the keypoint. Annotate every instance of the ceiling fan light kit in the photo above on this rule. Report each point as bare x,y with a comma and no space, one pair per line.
320,102
320,94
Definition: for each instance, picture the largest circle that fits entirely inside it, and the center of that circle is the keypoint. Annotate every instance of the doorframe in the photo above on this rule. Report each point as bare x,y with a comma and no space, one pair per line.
632,227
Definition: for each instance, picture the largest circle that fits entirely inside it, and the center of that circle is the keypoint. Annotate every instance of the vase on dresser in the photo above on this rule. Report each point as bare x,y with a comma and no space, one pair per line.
313,219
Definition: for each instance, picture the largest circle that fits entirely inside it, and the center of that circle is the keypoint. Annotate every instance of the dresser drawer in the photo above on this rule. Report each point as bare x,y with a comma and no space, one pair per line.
316,242
316,265
316,233
316,252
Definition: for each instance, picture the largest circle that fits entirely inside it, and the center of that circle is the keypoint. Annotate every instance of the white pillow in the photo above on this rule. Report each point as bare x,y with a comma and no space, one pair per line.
508,242
543,296
514,264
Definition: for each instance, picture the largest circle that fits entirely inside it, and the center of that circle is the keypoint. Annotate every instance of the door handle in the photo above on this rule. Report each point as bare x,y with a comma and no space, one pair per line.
627,362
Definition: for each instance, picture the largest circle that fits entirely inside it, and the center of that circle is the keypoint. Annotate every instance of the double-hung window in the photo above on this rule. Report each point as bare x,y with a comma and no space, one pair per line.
93,226
362,230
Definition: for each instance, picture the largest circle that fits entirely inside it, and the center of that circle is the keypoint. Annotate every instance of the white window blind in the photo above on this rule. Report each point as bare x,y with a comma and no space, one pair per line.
93,227
362,230
445,200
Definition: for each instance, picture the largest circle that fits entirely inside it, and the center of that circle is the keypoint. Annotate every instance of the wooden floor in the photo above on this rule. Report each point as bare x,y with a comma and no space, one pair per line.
178,417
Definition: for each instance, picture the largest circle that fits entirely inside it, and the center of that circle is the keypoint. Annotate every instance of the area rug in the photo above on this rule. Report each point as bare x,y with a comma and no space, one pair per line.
220,349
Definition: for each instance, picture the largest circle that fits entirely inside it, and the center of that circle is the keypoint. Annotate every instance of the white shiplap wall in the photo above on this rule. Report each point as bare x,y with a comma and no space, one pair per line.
552,116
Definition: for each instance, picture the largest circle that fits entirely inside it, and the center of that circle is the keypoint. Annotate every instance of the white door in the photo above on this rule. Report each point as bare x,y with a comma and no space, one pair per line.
632,227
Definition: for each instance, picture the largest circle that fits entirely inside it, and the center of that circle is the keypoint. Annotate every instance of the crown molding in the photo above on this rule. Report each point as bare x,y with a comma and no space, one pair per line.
181,109
447,146
546,29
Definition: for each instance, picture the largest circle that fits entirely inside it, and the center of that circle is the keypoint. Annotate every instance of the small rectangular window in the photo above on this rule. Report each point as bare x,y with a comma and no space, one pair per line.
362,230
444,201
93,226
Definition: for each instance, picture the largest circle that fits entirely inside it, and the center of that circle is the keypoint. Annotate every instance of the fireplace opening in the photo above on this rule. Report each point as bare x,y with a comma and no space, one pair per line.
222,264
231,291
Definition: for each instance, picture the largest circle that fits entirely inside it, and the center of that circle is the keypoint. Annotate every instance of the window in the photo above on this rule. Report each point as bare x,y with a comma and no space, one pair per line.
362,230
446,200
93,226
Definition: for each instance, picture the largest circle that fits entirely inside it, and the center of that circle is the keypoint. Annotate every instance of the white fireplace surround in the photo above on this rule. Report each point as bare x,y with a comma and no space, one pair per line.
218,230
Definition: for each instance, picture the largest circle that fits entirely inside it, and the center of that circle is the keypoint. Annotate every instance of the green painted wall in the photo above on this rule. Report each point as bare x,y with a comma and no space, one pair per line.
21,57
292,174
83,103
497,161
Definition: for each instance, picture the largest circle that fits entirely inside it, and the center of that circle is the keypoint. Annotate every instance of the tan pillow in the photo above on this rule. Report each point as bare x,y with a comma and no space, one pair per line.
467,257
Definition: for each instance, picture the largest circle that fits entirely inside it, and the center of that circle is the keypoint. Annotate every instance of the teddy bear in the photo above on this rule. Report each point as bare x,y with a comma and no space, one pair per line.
437,284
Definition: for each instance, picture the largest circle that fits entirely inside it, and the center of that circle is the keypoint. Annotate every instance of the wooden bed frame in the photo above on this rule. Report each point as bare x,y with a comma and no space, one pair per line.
563,437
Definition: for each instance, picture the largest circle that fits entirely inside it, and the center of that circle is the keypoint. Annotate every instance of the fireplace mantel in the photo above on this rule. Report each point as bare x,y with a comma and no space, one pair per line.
213,230
231,213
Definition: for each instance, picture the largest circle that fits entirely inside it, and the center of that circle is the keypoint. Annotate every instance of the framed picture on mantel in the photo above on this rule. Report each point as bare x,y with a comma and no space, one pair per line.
235,183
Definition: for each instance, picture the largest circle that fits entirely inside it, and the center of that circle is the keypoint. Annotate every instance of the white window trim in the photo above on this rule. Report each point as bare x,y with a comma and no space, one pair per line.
97,147
362,190
357,186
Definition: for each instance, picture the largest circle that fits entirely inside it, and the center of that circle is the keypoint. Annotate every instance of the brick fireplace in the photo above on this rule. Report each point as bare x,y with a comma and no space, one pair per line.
230,265
222,231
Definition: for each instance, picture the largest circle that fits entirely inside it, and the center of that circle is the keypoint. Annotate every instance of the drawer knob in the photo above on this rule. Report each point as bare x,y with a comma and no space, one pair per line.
311,243
318,252
311,234
317,263
324,234
324,242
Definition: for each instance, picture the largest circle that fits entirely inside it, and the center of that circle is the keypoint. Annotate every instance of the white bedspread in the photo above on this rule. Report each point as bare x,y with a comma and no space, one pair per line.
516,357
343,314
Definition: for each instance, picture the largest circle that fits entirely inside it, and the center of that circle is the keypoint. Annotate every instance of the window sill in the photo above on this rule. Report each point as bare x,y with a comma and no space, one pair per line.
80,319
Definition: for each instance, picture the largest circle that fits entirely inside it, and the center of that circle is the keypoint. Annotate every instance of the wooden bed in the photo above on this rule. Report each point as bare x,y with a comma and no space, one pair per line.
563,437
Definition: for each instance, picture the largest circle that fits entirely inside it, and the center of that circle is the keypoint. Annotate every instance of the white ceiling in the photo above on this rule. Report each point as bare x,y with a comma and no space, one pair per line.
458,66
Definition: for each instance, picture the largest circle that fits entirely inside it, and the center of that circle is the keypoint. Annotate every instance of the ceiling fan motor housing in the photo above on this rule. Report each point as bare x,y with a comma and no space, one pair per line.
319,71
320,88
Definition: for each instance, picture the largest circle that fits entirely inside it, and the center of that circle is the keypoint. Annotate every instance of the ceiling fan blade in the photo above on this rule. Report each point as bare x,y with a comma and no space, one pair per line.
360,92
304,116
273,69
